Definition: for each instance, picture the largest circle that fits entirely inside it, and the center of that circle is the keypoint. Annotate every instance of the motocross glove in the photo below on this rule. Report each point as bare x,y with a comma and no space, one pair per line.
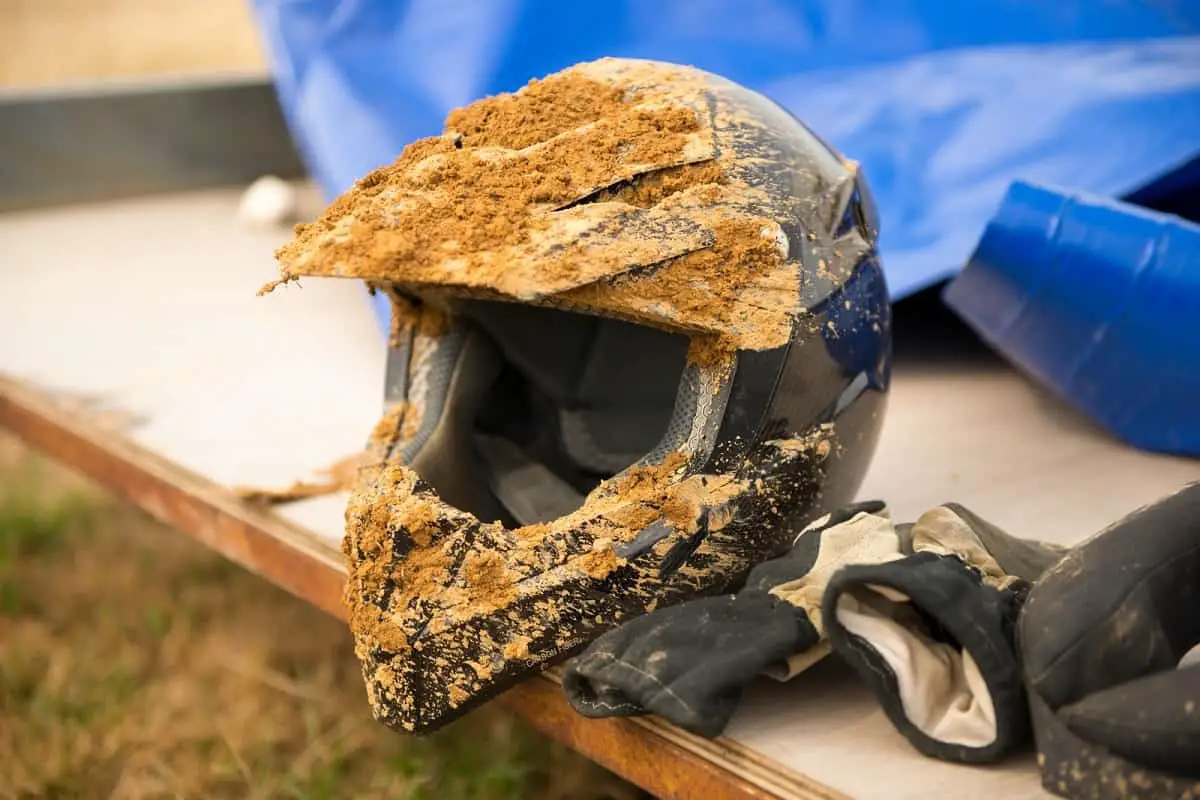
932,632
1103,640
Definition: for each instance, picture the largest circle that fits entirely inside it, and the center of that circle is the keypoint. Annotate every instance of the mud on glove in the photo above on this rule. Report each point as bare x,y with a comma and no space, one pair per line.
1116,714
689,663
932,633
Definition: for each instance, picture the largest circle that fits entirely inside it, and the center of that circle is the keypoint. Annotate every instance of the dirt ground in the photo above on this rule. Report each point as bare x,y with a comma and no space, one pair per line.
136,664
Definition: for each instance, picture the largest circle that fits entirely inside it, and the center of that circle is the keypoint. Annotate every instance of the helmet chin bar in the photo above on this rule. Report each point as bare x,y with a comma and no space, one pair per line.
471,606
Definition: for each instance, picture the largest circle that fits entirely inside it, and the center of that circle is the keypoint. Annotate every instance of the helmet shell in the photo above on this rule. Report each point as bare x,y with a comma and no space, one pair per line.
777,415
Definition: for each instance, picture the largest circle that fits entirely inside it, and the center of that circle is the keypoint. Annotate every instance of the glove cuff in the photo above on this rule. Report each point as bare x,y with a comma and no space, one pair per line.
935,643
687,663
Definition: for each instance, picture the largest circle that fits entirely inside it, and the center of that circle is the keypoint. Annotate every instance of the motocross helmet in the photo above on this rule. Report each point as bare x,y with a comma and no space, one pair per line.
641,338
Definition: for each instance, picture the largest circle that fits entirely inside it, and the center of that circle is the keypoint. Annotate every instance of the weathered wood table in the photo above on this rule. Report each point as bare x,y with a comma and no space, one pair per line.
133,348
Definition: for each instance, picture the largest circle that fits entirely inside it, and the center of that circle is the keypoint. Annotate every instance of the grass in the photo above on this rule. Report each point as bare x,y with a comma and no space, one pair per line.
136,664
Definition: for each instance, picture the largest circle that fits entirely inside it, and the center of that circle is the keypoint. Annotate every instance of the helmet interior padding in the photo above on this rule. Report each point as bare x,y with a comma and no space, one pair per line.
558,402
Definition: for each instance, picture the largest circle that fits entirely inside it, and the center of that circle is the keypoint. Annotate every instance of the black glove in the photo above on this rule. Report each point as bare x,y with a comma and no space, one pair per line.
1102,636
932,633
688,663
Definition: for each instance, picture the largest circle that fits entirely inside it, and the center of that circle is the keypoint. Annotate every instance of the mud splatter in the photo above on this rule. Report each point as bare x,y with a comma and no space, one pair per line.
338,477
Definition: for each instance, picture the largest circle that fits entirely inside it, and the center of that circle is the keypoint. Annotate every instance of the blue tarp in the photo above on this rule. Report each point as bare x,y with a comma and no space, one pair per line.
944,104
1098,300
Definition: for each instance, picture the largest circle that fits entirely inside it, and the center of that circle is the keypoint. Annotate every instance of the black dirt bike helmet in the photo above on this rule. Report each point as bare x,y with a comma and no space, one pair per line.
641,338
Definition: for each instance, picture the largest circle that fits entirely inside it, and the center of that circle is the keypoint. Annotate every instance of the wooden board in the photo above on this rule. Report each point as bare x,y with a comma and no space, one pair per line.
134,348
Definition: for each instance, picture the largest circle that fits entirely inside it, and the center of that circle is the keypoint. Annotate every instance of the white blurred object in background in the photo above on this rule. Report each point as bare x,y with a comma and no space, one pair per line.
268,202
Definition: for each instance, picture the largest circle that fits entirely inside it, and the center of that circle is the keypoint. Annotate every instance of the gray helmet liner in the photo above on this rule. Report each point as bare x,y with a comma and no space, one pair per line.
624,395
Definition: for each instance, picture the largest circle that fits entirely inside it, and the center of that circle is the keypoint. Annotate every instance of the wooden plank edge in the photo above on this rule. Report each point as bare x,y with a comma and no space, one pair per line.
263,542
659,758
752,767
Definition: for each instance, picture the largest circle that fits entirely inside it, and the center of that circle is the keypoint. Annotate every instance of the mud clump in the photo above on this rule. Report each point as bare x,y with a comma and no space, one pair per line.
408,315
716,284
487,580
545,108
400,421
591,190
340,476
600,563
517,648
441,197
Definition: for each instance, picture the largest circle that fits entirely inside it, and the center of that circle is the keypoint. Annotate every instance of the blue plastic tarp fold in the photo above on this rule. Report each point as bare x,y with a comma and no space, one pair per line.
1099,301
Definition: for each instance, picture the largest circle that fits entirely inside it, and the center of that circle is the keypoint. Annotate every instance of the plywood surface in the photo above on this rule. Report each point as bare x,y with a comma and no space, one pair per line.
149,308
